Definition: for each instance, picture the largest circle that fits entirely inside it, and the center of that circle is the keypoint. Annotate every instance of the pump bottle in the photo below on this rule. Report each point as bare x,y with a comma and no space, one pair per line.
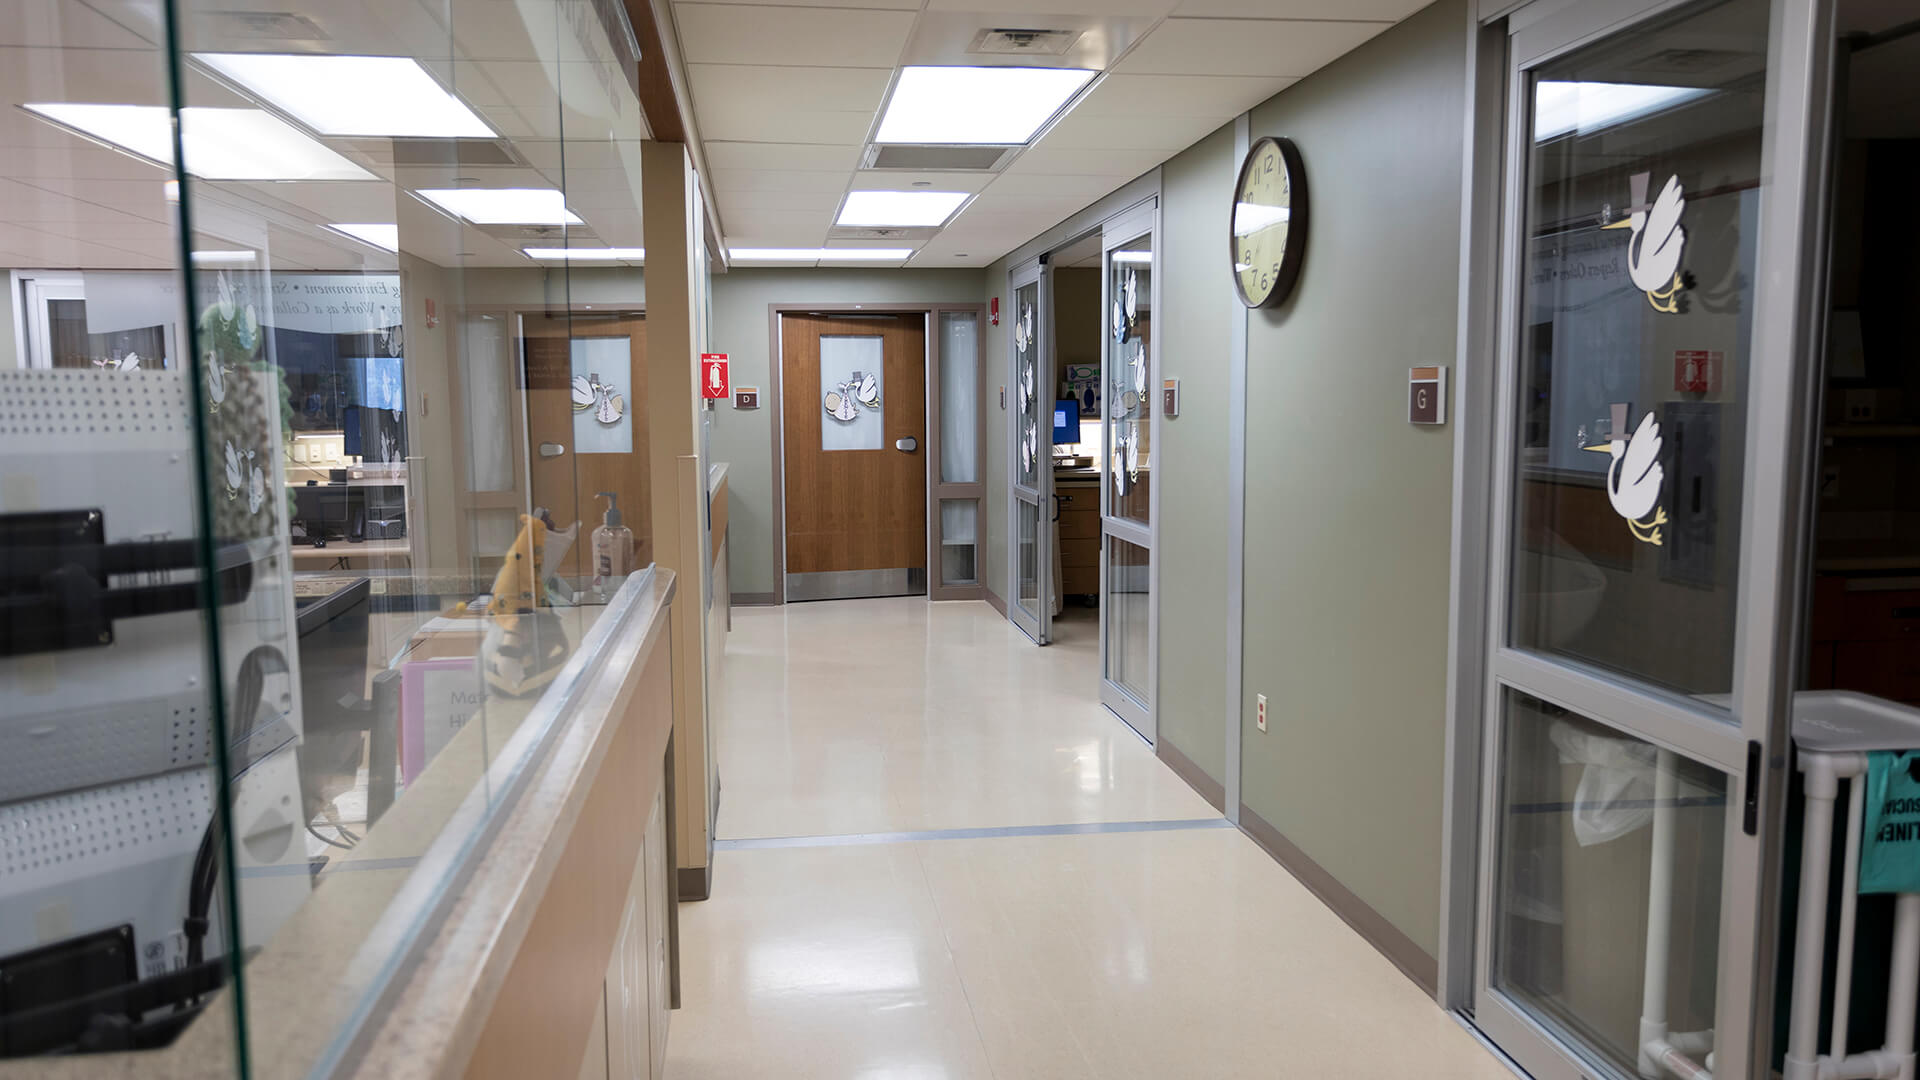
612,548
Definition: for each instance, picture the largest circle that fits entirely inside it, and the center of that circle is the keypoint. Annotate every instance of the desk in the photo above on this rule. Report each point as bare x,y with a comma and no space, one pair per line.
1077,531
307,557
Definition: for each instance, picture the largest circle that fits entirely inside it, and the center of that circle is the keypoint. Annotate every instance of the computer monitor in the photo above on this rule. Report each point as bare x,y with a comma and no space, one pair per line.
1066,421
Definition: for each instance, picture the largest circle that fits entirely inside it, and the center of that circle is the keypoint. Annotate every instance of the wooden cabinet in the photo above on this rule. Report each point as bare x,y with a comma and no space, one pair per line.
1077,531
630,1041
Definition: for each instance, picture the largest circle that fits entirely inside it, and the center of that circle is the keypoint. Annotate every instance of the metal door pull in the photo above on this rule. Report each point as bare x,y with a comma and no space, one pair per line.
908,444
551,449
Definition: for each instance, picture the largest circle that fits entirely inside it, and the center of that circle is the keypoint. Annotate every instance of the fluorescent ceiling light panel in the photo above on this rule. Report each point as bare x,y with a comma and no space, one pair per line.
900,208
989,106
1563,108
503,206
223,258
221,144
819,254
386,237
587,254
1133,256
353,96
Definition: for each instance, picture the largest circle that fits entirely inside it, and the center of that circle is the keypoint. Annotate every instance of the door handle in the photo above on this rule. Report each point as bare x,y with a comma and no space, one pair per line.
1057,500
908,444
551,449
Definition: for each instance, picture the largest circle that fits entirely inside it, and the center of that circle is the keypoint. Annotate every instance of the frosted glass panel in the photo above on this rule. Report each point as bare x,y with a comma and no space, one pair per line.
959,397
602,395
485,375
851,392
959,541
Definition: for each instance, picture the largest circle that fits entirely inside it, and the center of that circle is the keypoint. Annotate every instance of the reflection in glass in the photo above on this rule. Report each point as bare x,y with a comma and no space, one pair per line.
1641,225
1127,604
959,397
1604,840
1027,523
1131,395
1030,442
399,465
959,541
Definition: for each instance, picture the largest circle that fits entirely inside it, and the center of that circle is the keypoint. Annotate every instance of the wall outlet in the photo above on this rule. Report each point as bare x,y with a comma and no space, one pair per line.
1260,711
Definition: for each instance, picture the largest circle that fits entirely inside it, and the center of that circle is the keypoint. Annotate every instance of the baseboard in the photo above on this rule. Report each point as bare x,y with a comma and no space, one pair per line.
999,605
1392,942
696,882
754,599
1196,777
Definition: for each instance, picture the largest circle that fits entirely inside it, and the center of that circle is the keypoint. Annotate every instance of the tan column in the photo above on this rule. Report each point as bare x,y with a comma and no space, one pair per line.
670,210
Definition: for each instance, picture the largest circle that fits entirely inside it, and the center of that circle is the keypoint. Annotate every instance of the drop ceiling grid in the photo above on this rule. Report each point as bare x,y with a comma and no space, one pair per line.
786,92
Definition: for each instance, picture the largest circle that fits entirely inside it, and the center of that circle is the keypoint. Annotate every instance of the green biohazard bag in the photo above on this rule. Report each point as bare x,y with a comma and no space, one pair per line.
1890,844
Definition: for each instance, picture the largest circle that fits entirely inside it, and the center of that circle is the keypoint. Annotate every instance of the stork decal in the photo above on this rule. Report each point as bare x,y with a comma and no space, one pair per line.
1654,249
1635,476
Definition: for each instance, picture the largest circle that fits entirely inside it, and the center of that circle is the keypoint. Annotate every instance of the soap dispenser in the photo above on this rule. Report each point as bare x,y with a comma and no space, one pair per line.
612,548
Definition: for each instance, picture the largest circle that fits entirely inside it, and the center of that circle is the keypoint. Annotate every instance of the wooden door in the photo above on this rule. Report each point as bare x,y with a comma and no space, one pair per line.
593,442
854,454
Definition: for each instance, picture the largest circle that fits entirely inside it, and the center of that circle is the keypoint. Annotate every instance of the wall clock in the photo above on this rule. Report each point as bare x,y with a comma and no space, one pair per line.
1268,233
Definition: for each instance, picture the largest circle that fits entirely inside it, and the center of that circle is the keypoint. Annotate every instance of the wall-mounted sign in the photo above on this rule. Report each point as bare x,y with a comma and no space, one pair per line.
746,397
437,698
713,375
1427,395
1170,397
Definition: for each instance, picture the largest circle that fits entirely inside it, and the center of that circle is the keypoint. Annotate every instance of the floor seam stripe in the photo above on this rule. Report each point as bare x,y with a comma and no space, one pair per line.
994,833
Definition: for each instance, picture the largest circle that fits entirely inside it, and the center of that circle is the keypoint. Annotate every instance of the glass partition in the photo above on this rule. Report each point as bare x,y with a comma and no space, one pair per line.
323,374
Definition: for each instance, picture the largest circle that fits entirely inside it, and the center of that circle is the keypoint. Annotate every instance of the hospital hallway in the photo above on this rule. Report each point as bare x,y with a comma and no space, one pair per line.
940,858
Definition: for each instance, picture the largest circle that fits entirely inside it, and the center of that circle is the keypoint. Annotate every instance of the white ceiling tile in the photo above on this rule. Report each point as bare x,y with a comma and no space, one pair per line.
1012,183
1179,95
782,157
750,220
802,36
774,236
902,180
1090,131
64,23
44,209
1122,163
1244,46
1107,8
734,86
727,180
734,202
1300,9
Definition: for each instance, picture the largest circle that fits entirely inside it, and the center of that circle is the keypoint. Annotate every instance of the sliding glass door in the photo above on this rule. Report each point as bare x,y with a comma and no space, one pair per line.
1129,594
1030,454
1634,727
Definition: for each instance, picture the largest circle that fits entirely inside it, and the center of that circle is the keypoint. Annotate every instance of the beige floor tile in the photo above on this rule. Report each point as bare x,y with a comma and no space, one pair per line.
1117,956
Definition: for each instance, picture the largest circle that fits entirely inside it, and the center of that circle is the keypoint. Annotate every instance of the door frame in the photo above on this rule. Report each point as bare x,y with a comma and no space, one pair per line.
771,402
1775,513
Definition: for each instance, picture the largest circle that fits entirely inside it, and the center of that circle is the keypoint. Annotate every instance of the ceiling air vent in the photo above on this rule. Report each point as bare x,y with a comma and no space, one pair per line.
1008,41
938,158
265,25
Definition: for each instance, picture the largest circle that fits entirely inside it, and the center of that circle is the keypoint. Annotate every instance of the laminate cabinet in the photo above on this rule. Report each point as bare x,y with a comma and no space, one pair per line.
1077,531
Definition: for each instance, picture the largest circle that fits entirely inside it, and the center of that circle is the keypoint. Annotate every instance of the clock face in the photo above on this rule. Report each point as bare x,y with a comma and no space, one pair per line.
1269,223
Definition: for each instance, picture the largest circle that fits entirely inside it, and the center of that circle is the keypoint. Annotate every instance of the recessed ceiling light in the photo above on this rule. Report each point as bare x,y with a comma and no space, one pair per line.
503,206
991,106
819,254
588,254
899,208
386,237
224,258
221,144
353,96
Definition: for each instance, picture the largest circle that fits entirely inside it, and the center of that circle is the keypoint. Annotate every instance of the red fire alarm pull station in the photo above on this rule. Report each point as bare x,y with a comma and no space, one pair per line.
995,310
713,375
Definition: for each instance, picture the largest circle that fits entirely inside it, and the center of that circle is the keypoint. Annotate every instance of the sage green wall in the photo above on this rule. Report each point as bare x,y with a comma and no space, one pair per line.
994,346
1348,505
1193,328
744,440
